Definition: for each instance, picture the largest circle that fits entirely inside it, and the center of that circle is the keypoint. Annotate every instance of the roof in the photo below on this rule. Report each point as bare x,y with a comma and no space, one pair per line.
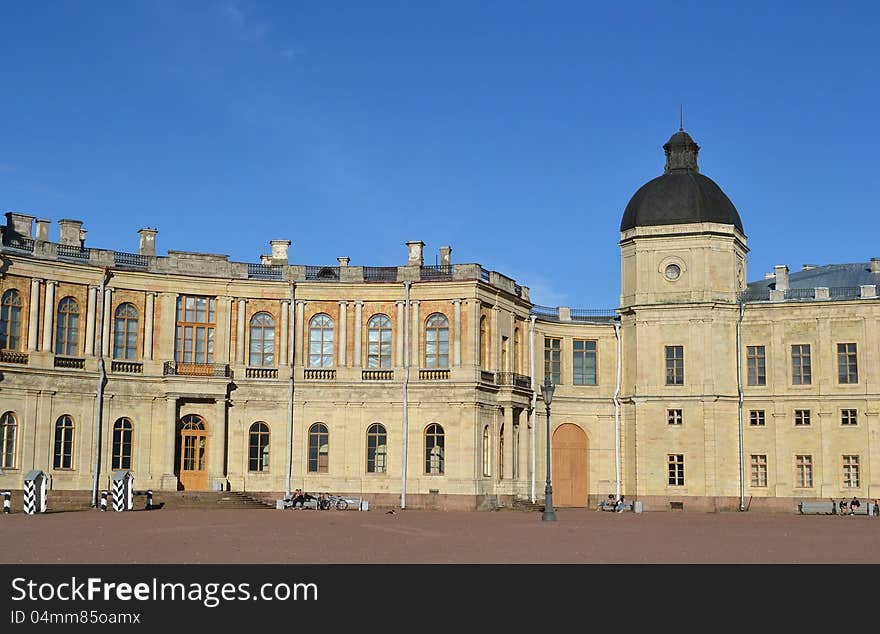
827,276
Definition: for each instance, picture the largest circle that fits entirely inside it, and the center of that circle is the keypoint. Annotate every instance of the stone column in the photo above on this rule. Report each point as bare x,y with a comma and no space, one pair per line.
300,327
148,326
415,359
170,428
358,327
223,332
508,443
48,315
495,338
239,342
456,333
285,326
343,334
34,315
106,324
167,331
474,312
400,322
91,309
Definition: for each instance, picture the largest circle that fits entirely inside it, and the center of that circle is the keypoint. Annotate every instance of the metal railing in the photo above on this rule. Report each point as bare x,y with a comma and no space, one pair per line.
322,273
547,312
487,377
261,373
433,375
377,375
264,271
380,273
70,362
844,292
173,368
754,295
13,356
484,274
834,292
130,260
18,243
514,379
800,293
319,374
436,272
589,314
73,252
127,367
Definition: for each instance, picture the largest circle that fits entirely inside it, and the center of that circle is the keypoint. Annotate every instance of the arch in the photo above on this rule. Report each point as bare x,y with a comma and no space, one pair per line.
192,465
258,447
10,320
321,341
8,434
123,431
125,332
377,448
319,449
262,340
435,458
569,465
67,328
379,341
437,341
65,428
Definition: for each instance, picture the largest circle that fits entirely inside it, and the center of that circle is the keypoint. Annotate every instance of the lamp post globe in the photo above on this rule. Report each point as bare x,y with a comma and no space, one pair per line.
547,394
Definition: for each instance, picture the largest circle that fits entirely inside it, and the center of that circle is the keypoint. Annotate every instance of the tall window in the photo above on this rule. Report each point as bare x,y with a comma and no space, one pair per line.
487,454
434,456
802,417
759,470
501,452
673,417
194,336
67,330
675,464
377,448
121,451
262,346
8,427
847,364
584,365
851,472
125,329
258,447
515,450
484,344
517,350
10,320
803,471
436,341
757,418
319,448
757,369
505,357
553,360
379,342
801,373
64,429
674,365
849,417
321,341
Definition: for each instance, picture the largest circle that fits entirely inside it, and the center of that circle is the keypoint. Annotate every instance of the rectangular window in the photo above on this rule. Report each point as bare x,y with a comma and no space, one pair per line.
757,373
674,365
553,360
851,472
676,469
801,373
673,416
849,417
803,471
756,418
584,362
759,470
194,334
847,364
802,417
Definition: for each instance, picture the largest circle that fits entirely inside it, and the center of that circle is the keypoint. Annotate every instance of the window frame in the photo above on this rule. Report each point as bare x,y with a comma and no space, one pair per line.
757,418
129,327
758,470
851,470
381,358
317,432
756,366
8,455
674,365
675,469
187,323
803,417
553,367
585,355
67,443
118,445
259,438
435,461
329,326
257,325
377,437
67,327
847,364
801,364
674,417
10,319
437,333
849,417
803,471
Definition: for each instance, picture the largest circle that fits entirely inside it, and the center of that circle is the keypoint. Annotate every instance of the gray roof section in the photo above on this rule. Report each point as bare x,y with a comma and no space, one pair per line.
829,275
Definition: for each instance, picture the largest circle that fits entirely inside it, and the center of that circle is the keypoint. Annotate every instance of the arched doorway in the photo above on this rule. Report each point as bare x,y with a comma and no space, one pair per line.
569,466
193,457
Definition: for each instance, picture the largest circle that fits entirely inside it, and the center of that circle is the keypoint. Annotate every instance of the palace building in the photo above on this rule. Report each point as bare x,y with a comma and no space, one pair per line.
417,385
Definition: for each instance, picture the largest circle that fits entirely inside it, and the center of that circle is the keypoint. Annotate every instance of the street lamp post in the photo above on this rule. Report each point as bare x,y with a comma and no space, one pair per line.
547,394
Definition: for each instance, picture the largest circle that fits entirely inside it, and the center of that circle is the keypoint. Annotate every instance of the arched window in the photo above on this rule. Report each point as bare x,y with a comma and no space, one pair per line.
487,455
501,453
122,433
8,427
67,331
484,344
125,333
376,448
515,473
10,320
437,341
64,429
379,342
517,350
319,448
262,350
321,341
258,444
434,456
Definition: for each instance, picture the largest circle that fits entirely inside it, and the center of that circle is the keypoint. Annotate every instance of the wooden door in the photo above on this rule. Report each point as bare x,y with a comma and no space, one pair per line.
568,466
193,474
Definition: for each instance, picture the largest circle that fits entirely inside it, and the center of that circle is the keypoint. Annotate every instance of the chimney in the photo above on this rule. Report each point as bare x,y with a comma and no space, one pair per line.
808,267
343,261
445,257
19,224
71,232
147,241
416,253
266,259
280,251
875,265
43,229
781,273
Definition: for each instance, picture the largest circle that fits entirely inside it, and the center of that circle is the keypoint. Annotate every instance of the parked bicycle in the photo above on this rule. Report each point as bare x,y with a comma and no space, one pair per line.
332,501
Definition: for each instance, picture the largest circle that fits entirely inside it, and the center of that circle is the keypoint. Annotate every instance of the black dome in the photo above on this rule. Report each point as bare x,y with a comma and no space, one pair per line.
681,194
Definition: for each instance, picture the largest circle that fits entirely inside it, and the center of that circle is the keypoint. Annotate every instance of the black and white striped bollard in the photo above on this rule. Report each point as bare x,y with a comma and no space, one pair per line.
103,500
149,500
6,496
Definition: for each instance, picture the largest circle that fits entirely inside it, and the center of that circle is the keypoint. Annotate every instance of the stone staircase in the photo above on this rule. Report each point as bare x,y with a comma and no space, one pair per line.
525,504
58,501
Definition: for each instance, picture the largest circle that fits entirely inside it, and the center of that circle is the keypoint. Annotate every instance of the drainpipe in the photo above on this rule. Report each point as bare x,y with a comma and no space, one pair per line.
534,402
739,385
291,342
102,379
406,286
617,409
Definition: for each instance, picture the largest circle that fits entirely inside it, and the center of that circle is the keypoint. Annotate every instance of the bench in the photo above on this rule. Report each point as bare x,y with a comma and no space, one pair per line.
817,508
611,507
867,508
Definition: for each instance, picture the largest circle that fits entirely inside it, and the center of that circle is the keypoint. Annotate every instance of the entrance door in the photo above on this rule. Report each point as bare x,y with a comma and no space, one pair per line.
569,466
193,474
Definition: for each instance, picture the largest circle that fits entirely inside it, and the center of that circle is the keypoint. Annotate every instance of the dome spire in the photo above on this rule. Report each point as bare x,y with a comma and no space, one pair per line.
681,153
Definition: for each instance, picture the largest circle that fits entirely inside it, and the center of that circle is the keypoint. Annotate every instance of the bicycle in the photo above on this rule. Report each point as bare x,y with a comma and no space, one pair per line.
333,501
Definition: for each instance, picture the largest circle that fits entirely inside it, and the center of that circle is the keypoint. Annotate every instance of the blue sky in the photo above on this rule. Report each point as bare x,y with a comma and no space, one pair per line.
515,132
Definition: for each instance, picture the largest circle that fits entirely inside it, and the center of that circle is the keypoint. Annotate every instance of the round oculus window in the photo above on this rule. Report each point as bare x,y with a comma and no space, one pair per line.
673,272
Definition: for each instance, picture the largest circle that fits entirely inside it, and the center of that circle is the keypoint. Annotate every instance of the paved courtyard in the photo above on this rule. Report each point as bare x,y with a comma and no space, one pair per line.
412,536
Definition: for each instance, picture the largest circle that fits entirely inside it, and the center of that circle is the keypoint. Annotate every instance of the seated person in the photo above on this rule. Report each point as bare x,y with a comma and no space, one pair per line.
620,504
854,506
842,507
607,503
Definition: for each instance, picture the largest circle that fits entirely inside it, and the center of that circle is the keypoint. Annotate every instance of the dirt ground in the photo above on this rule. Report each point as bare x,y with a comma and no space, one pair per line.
412,536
